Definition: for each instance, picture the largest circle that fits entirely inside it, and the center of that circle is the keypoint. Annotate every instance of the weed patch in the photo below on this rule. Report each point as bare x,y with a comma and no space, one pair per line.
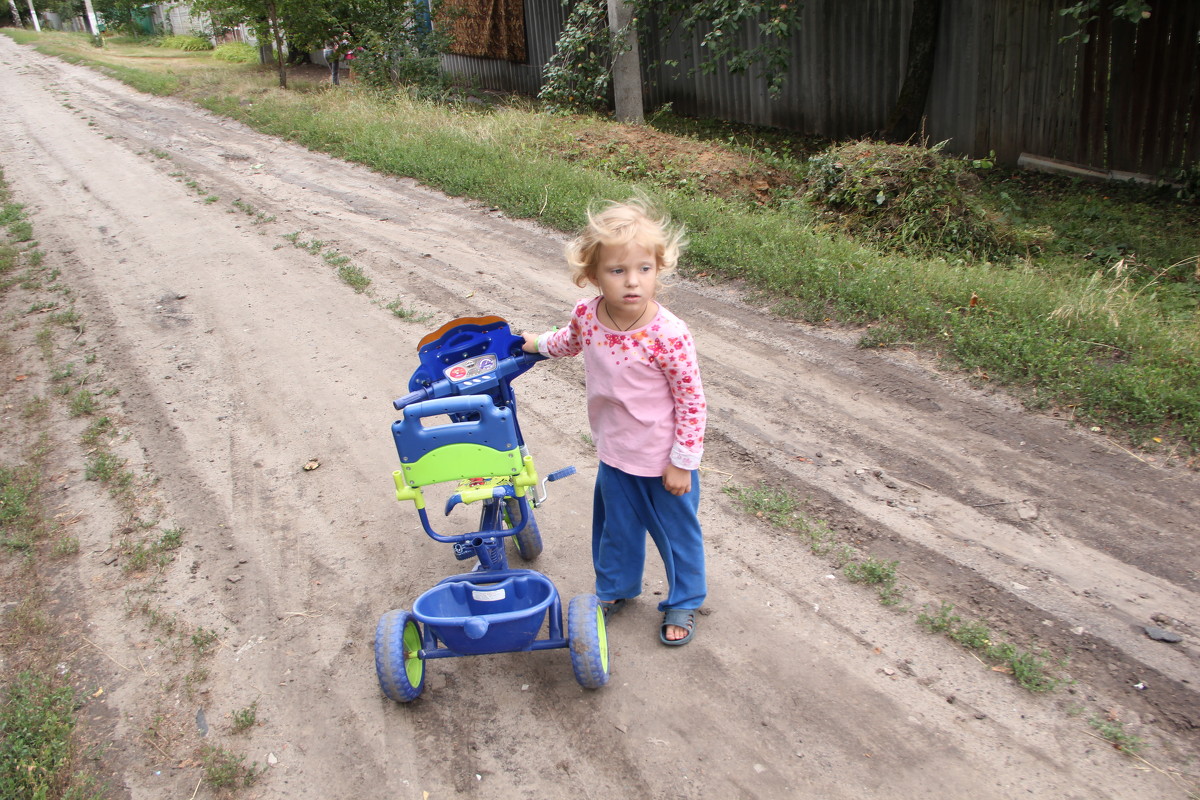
191,44
36,723
20,506
1113,731
1030,670
398,309
354,277
912,198
246,718
226,770
880,574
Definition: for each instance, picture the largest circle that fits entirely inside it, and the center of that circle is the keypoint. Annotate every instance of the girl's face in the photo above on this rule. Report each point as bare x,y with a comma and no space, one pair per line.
627,276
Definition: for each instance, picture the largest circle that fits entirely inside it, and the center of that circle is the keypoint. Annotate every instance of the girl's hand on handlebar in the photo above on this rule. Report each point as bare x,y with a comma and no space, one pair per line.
531,340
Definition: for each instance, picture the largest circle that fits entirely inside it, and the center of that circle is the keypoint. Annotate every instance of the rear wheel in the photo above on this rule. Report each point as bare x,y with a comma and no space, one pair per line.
588,641
529,541
398,664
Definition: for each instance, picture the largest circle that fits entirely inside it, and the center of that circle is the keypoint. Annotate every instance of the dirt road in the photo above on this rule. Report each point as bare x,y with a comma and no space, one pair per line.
239,356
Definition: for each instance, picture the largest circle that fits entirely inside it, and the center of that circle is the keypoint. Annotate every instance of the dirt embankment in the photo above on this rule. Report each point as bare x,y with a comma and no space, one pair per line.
239,356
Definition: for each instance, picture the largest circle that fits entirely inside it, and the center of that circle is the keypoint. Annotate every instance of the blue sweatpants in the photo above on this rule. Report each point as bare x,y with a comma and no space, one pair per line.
625,508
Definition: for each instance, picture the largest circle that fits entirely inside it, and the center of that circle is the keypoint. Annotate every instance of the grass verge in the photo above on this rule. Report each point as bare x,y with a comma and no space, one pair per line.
41,753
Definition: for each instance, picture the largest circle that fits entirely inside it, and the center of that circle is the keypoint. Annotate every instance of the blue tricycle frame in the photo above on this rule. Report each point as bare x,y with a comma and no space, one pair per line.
465,373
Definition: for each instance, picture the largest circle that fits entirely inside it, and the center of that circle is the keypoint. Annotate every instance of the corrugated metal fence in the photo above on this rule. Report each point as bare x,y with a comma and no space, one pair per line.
1128,99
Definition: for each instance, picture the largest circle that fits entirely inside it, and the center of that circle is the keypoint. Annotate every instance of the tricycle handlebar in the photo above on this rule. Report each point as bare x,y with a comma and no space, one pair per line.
505,368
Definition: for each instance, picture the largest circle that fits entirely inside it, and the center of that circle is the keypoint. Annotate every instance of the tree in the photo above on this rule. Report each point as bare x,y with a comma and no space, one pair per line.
271,21
1085,12
579,73
388,29
722,21
118,14
904,121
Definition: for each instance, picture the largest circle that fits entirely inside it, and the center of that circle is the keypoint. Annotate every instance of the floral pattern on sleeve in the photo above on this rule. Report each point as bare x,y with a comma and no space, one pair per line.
676,357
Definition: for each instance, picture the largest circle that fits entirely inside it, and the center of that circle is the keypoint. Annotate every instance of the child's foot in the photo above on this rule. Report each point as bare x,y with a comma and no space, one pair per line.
678,626
611,607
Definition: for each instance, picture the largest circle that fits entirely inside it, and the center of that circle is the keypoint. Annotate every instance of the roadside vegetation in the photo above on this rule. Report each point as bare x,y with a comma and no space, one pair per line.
41,753
55,390
1076,297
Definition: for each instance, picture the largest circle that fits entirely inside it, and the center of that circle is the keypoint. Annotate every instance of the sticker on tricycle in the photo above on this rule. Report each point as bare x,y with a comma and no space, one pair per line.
471,368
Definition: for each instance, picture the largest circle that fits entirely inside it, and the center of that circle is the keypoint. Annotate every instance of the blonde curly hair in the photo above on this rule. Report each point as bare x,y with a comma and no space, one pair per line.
618,224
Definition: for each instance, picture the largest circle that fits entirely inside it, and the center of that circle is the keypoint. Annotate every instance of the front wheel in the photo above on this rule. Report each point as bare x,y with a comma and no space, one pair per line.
529,541
398,664
588,641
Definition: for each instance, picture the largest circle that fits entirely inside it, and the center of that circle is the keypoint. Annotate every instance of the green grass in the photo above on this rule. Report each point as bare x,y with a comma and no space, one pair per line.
1113,731
83,404
185,43
399,309
236,53
873,572
99,432
1096,313
20,506
1030,670
204,640
246,718
779,508
226,770
36,723
104,467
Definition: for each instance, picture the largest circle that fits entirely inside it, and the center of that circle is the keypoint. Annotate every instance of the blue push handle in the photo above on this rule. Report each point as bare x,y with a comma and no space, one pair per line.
461,404
410,398
511,365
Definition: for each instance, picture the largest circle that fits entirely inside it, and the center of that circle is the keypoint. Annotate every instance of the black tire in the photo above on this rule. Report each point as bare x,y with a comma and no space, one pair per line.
529,541
588,641
398,665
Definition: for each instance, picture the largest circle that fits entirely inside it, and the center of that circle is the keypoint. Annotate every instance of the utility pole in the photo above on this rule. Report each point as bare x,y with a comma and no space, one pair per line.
91,15
627,69
37,26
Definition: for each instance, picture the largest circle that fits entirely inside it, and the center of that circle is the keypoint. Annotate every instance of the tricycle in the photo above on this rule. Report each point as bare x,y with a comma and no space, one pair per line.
459,426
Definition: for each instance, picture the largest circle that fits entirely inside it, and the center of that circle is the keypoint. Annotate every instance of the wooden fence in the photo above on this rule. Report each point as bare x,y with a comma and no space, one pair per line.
1005,82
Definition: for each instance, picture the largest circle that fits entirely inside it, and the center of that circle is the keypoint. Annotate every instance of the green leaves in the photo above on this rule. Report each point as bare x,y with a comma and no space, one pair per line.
724,22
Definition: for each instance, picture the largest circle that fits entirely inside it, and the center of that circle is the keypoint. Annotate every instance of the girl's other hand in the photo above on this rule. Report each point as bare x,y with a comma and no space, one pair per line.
531,340
677,481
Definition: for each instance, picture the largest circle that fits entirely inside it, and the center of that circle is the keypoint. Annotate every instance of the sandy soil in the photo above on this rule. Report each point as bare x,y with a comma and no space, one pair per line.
238,357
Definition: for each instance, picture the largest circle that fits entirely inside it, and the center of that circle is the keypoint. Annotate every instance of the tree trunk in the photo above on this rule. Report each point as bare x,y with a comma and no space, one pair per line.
627,69
904,121
277,32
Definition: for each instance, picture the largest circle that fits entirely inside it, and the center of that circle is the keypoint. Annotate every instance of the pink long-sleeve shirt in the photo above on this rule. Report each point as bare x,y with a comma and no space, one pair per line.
645,401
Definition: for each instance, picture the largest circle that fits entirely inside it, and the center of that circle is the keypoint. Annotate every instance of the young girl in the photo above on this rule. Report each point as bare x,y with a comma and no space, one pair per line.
646,410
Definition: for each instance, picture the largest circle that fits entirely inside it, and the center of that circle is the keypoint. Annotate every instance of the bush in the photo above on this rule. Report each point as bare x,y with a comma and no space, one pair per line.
188,43
908,198
1188,179
236,53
